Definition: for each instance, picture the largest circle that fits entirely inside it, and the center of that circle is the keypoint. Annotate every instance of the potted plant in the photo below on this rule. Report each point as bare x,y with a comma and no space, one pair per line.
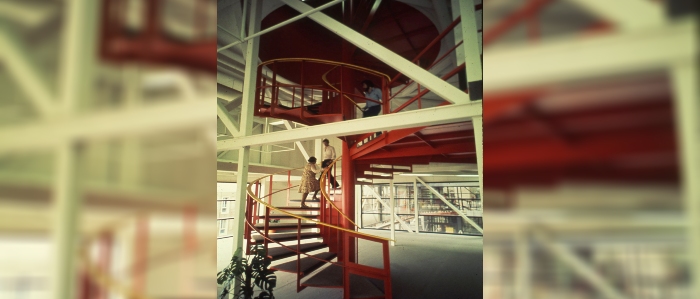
249,272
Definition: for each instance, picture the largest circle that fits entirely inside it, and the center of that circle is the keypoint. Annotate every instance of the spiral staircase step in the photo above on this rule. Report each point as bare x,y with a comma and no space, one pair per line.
332,277
307,264
281,252
283,237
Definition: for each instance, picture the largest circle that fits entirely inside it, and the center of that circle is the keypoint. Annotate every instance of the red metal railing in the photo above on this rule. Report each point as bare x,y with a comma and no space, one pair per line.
334,230
329,95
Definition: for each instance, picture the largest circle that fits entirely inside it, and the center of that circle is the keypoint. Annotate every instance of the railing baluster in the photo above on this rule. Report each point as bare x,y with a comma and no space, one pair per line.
346,264
273,98
301,81
298,255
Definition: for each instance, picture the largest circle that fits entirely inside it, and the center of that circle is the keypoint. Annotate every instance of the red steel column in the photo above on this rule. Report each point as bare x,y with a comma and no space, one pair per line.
140,255
106,242
348,188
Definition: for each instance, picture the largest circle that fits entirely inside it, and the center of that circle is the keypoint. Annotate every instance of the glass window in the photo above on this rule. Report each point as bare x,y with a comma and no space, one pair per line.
434,214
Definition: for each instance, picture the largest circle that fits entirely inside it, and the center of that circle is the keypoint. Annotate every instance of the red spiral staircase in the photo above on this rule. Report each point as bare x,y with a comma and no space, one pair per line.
324,237
321,237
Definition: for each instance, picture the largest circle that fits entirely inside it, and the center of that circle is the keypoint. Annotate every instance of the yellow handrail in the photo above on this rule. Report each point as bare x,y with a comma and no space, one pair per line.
336,89
329,62
98,275
252,195
325,195
336,64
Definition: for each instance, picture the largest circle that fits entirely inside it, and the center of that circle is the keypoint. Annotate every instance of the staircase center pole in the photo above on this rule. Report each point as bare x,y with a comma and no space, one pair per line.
392,204
348,194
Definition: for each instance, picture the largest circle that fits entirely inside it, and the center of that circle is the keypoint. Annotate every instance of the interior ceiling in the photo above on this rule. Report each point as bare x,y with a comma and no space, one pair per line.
446,143
396,25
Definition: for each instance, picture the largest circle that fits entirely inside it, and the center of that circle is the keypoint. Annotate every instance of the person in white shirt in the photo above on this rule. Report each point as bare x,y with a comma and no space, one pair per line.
328,157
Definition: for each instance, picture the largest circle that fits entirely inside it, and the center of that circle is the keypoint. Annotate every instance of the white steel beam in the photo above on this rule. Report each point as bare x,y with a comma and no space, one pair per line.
393,214
75,86
301,146
415,118
459,212
523,264
579,266
413,71
318,148
686,94
379,198
131,149
66,203
227,119
415,202
246,128
626,14
27,76
470,47
478,124
28,14
563,60
144,120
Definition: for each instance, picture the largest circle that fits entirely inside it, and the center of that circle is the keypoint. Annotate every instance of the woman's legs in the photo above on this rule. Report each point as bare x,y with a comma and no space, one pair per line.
303,199
316,193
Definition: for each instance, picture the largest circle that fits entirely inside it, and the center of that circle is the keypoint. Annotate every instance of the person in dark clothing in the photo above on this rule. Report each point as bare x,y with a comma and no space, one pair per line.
328,157
371,108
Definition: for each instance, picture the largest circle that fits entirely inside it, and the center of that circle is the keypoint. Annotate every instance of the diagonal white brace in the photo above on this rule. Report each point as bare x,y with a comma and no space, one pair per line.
379,198
579,266
27,76
459,212
301,146
227,119
435,84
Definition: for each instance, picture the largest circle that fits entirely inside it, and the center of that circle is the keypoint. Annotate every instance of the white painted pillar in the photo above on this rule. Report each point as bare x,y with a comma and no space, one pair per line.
77,63
471,49
687,106
415,202
66,206
471,52
130,155
266,154
246,125
523,265
393,212
318,149
477,122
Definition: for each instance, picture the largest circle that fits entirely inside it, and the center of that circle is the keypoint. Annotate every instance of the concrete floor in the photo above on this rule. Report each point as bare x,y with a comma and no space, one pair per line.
422,266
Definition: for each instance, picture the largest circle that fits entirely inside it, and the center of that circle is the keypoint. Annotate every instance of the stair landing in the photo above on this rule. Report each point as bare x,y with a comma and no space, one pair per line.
332,277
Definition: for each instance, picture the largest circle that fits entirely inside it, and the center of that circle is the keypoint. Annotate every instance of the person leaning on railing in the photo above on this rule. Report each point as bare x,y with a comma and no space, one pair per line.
371,92
309,183
372,108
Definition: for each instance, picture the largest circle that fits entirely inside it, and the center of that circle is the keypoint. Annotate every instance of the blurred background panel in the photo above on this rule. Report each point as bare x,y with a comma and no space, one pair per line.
591,149
107,149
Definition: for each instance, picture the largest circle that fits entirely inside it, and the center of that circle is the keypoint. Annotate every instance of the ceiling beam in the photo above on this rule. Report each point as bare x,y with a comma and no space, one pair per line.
415,118
105,125
565,60
422,150
626,14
